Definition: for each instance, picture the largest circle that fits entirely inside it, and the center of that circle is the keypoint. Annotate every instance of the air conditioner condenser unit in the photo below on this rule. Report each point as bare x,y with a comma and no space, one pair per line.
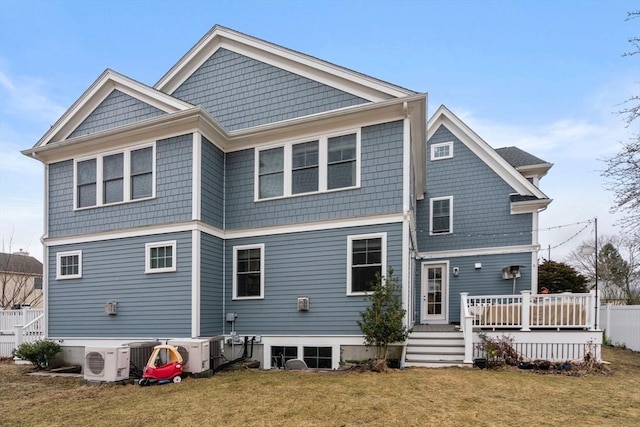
195,352
106,363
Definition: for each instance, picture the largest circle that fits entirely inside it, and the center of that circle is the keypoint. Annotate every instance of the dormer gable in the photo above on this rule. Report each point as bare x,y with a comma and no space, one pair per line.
105,97
528,197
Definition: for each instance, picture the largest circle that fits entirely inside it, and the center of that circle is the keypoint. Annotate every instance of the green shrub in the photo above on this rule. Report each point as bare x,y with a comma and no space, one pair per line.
38,352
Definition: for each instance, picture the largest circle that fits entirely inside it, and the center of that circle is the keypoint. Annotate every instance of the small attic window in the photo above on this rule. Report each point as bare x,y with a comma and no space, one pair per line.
442,151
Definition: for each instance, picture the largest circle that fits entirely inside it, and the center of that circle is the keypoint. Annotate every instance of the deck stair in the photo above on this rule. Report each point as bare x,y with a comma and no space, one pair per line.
435,348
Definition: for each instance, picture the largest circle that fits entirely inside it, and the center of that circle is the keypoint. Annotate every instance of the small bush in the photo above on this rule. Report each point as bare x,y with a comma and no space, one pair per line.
38,352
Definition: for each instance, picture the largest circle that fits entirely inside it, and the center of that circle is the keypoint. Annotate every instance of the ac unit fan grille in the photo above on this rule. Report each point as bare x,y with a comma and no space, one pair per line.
184,353
95,362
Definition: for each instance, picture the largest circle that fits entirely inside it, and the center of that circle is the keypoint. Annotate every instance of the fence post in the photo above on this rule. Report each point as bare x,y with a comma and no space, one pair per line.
526,310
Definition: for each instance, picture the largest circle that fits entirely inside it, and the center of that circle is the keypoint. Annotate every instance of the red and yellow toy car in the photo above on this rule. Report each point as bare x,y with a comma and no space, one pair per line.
164,366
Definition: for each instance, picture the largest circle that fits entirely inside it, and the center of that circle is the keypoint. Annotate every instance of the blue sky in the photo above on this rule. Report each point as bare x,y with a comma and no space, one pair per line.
546,76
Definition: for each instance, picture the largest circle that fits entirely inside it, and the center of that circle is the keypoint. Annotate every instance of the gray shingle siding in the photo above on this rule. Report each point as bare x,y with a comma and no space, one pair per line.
211,316
485,281
313,264
149,305
117,109
241,92
212,184
380,192
172,203
481,205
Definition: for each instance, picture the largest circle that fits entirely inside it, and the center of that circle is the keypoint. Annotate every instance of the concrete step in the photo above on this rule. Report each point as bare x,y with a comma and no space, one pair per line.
435,341
445,364
431,357
423,335
435,349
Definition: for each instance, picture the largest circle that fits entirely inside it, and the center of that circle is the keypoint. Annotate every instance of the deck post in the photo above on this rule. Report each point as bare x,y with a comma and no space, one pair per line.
526,310
466,325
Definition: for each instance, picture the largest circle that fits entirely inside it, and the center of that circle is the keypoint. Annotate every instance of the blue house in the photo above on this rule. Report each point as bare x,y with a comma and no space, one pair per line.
256,191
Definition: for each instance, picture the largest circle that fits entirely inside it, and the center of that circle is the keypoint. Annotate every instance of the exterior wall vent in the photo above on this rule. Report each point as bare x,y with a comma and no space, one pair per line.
303,303
111,308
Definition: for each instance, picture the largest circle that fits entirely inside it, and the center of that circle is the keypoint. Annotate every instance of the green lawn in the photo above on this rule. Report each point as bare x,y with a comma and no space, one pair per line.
411,397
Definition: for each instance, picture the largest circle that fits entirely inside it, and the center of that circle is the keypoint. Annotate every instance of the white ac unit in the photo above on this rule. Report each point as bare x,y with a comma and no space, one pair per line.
106,363
195,353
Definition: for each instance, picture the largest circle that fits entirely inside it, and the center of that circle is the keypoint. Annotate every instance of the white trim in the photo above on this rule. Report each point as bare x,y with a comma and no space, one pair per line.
445,292
466,135
59,255
196,176
232,234
195,283
126,176
147,257
323,164
406,164
295,62
534,253
45,288
383,266
498,250
235,271
529,206
435,199
406,272
434,147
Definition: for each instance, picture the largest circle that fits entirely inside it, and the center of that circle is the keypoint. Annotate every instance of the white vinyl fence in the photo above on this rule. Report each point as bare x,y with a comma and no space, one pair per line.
18,326
621,324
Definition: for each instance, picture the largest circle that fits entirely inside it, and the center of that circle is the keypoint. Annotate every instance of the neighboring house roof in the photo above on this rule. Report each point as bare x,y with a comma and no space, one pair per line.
524,162
530,196
20,264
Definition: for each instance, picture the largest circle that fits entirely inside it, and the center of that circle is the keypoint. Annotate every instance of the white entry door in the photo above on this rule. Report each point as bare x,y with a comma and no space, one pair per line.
435,282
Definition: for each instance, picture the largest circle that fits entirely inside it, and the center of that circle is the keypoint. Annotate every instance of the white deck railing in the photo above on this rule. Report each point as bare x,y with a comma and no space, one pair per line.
526,313
10,318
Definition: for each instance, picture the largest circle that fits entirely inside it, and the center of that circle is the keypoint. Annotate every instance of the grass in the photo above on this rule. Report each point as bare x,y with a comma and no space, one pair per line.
411,397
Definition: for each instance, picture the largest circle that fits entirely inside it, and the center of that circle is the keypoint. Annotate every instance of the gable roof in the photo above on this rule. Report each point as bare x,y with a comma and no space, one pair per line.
19,263
104,85
443,116
316,69
524,162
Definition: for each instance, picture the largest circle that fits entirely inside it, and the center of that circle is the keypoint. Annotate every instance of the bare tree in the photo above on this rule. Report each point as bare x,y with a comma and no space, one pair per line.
622,172
618,266
20,278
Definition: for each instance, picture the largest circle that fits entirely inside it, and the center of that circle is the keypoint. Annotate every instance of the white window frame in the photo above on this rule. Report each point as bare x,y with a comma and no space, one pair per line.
383,267
434,147
147,256
235,271
126,190
59,257
323,164
435,199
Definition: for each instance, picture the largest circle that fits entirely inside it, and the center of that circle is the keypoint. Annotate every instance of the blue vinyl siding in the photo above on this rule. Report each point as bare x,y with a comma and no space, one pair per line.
149,305
212,184
312,264
172,203
481,205
117,109
485,281
380,192
211,316
241,92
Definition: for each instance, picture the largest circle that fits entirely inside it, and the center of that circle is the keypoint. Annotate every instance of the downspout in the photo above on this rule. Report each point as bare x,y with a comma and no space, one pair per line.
224,241
406,228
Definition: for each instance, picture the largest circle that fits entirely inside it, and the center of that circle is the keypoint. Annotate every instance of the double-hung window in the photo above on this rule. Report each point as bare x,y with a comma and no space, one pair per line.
160,257
69,265
117,177
248,272
441,220
367,259
326,163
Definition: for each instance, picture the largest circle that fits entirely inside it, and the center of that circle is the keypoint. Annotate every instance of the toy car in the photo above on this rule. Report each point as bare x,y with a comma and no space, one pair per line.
164,366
